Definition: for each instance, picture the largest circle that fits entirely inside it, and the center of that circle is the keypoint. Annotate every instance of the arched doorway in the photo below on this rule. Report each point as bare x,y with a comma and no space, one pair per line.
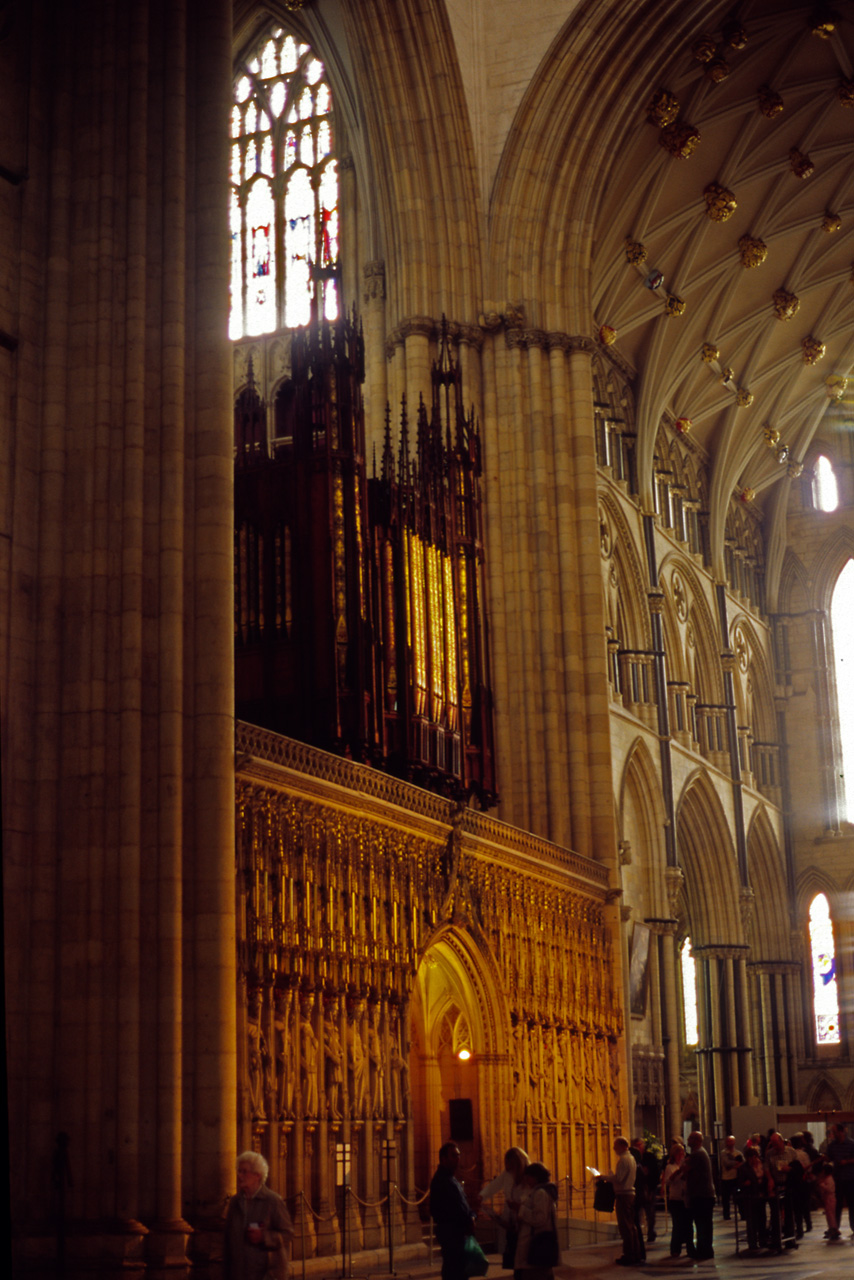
459,1061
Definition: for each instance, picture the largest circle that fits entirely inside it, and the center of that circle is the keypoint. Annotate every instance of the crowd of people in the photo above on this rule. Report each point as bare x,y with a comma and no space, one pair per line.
779,1182
774,1185
527,1215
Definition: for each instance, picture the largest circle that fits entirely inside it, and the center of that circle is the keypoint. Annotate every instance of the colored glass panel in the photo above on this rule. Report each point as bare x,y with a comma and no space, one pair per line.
285,234
823,954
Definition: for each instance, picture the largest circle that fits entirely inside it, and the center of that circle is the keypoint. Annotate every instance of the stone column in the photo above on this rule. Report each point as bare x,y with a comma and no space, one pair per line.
705,1075
121,1025
767,1024
671,1019
375,390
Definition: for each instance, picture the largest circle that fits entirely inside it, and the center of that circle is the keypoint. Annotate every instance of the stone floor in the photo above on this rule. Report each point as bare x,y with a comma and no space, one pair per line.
814,1257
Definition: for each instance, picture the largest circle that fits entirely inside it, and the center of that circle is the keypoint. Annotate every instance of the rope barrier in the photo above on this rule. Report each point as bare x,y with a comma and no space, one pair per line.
368,1204
314,1212
413,1203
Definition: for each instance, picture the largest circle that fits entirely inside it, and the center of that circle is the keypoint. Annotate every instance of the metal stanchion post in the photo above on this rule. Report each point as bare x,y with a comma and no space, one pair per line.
567,1198
342,1180
389,1151
302,1230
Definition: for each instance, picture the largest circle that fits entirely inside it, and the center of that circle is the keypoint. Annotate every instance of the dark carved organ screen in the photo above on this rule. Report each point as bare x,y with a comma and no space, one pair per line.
359,613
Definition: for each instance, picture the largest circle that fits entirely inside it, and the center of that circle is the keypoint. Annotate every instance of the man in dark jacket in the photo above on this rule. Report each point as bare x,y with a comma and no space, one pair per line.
700,1189
646,1186
840,1149
451,1212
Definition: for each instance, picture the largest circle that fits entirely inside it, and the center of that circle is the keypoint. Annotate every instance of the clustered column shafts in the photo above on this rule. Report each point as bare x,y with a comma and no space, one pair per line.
127,654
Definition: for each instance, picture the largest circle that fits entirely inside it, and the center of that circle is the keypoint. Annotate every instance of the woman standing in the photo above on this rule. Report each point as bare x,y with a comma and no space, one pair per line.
509,1184
674,1189
538,1249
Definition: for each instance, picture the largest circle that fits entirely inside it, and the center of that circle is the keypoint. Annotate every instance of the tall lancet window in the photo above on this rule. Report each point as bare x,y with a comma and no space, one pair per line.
284,190
823,953
689,995
825,488
841,613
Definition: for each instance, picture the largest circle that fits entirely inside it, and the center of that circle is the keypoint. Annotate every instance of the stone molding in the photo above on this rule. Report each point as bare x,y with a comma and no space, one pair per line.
374,274
663,927
771,967
725,951
265,758
553,340
426,327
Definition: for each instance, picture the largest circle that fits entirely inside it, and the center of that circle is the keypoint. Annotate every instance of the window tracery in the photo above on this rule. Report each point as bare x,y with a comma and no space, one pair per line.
284,190
823,963
614,425
744,558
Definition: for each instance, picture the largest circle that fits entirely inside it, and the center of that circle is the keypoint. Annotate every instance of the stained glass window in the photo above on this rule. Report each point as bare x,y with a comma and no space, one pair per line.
825,996
825,488
284,202
689,995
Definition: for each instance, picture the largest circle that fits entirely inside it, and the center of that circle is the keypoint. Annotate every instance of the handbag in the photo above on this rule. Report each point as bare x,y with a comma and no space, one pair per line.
544,1250
604,1197
475,1260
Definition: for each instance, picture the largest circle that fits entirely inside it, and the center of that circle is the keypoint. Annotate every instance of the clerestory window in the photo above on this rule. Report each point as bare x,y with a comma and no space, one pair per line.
823,956
689,995
284,190
841,613
825,488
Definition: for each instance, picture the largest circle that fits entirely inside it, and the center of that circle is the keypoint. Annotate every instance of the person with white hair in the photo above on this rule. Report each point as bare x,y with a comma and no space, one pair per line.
258,1227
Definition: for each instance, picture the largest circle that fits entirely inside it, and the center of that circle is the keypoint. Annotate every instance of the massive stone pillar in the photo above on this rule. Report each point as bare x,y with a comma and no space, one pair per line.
118,738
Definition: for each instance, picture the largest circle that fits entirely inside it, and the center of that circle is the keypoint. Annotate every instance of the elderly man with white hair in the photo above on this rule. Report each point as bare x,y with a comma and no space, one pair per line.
258,1228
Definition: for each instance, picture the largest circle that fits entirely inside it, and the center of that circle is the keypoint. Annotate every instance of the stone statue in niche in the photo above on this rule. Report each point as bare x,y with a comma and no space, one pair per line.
334,1056
520,1072
398,1075
562,1065
282,1019
356,1056
267,1073
375,1063
535,1074
396,1070
255,1068
549,1076
308,1059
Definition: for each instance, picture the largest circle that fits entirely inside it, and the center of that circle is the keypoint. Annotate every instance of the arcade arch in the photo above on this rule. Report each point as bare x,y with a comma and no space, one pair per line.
457,1007
711,902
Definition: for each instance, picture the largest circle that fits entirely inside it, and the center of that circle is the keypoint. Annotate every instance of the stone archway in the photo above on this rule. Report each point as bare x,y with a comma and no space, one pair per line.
458,1008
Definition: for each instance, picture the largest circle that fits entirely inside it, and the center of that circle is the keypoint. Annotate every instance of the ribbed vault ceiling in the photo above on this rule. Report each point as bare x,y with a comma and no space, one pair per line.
769,104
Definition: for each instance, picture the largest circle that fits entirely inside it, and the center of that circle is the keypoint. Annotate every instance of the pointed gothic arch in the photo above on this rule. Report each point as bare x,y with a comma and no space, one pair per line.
770,936
828,565
823,1094
458,1002
707,858
641,822
629,592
